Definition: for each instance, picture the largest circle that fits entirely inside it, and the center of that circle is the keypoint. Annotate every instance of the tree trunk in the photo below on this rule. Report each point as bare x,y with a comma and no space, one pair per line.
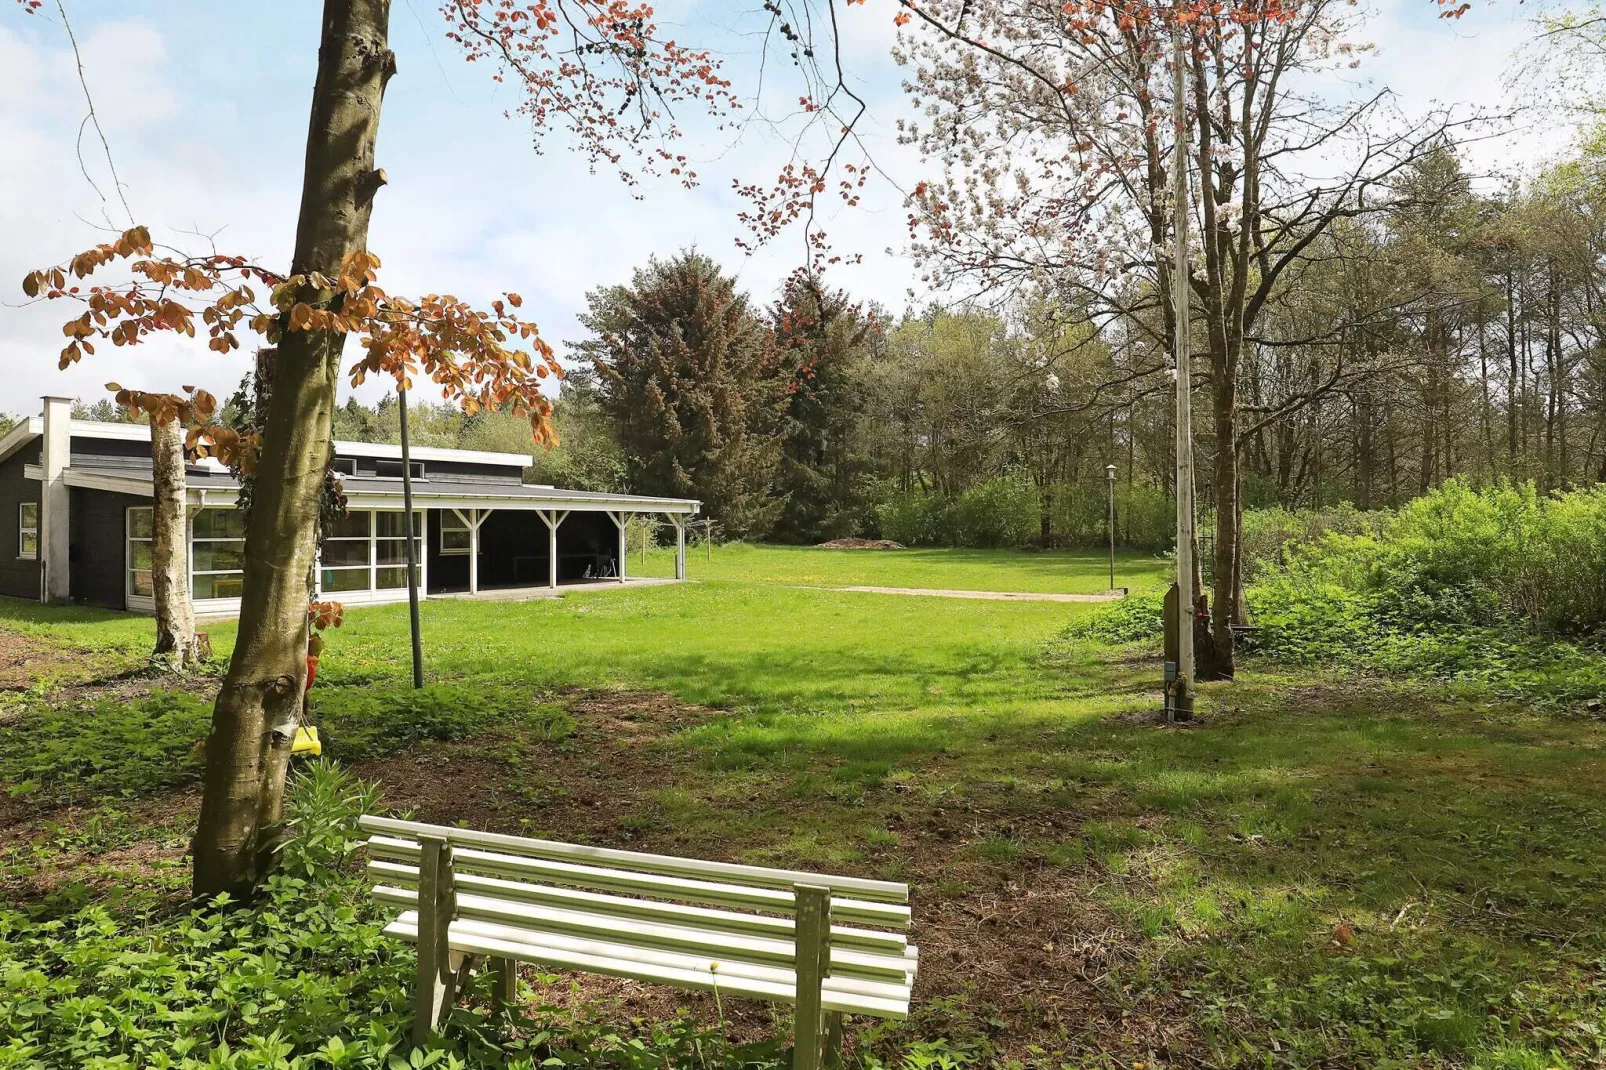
176,643
253,722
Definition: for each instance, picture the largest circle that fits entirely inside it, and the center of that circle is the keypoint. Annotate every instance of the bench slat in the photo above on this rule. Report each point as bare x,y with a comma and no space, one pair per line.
639,862
702,918
753,949
649,884
844,995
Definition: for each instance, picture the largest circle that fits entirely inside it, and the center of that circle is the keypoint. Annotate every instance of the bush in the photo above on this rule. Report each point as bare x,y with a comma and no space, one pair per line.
1134,618
998,513
1463,583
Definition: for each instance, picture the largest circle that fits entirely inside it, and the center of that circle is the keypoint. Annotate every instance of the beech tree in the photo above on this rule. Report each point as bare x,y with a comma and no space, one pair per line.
584,71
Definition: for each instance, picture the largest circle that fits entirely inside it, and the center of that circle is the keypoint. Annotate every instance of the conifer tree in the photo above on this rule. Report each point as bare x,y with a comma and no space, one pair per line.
825,467
688,375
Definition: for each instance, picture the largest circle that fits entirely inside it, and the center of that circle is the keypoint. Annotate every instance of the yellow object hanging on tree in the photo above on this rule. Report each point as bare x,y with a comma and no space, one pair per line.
307,741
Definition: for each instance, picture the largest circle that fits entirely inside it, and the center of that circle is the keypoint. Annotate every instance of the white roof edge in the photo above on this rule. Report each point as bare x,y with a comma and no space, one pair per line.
34,426
391,451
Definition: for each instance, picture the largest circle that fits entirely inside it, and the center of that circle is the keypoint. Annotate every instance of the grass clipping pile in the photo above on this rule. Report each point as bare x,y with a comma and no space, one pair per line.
861,544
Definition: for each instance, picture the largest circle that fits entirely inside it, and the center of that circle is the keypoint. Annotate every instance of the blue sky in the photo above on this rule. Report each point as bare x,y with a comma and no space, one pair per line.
205,106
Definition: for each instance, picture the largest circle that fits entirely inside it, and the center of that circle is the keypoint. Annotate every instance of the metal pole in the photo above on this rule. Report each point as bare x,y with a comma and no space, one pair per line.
408,553
1181,708
1110,470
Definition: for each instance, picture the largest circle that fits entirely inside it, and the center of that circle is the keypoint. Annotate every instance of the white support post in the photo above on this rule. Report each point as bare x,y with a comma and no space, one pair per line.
472,521
55,454
680,544
619,522
552,520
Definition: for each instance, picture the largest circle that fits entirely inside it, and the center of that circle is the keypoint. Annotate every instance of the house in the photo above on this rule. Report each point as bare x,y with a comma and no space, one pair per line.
80,493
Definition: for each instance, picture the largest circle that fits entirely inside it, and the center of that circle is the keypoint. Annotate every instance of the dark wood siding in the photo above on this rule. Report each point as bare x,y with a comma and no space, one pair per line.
96,548
18,578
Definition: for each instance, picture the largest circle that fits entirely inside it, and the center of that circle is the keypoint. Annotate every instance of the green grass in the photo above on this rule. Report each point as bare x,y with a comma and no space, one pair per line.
1319,873
1050,572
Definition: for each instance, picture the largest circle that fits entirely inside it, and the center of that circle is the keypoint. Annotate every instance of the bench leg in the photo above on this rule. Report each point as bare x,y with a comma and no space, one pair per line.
832,1055
504,984
436,971
813,919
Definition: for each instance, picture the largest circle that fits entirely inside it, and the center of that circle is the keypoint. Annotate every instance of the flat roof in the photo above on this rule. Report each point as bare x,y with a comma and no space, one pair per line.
371,492
34,426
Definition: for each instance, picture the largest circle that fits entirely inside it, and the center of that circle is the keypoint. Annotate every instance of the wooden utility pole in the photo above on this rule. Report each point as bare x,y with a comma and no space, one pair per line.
1180,706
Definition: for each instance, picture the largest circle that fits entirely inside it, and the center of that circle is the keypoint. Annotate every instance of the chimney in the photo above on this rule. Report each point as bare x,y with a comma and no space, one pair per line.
55,453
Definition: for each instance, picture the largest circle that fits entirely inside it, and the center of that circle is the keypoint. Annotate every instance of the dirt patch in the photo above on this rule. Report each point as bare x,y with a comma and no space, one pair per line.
581,788
860,544
149,838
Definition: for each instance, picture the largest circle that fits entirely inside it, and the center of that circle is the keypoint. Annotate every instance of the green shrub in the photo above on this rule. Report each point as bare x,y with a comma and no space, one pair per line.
1464,583
1134,618
998,513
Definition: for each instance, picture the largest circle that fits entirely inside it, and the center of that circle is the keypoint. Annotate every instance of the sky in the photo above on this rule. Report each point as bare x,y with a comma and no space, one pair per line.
205,105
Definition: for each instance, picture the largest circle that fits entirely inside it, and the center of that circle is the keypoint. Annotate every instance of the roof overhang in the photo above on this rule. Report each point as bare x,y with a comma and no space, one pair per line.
569,501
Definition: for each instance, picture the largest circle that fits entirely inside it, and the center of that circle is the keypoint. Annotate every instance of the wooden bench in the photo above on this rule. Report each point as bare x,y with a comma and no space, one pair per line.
480,898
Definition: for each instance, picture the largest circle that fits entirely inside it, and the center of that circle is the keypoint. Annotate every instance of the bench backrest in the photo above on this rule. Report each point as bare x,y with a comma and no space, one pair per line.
394,847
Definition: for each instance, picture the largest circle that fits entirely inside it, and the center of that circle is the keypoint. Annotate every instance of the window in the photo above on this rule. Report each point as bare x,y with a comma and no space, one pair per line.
347,555
454,534
141,532
217,554
28,530
391,549
346,466
393,469
366,552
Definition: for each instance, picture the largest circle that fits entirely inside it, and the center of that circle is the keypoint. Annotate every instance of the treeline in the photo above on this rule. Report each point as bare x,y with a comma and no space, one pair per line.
1458,335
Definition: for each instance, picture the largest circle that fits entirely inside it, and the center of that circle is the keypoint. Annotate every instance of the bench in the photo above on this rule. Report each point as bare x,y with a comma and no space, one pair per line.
479,899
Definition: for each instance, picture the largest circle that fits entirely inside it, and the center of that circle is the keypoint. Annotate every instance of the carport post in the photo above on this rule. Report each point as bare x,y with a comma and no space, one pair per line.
680,545
552,520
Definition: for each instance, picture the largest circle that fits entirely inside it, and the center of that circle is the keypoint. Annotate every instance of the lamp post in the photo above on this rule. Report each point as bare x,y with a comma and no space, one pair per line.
1109,470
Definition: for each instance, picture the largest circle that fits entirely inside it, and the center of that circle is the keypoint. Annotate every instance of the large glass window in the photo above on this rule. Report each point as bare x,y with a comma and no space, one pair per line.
28,530
390,547
366,551
141,532
454,533
347,557
217,554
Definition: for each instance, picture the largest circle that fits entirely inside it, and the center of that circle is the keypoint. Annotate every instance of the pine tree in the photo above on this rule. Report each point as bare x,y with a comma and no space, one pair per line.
688,375
825,464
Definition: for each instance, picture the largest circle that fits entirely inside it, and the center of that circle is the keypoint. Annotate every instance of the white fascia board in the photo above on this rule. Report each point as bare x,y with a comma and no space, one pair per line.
25,432
390,452
102,481
142,433
578,503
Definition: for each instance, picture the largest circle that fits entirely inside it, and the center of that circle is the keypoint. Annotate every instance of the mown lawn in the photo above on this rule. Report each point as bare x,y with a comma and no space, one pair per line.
1047,572
1319,873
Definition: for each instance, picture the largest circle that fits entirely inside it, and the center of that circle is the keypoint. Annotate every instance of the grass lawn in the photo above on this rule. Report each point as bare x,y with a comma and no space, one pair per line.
1319,873
1049,572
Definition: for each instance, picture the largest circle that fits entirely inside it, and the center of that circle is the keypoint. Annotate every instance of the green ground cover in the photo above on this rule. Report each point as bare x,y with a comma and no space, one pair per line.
1322,872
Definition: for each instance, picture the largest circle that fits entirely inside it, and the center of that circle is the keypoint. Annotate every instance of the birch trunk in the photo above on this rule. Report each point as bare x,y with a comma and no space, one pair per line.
254,720
176,643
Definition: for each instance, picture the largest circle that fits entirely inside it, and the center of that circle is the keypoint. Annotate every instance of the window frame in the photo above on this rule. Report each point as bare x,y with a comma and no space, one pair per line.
24,529
189,557
374,566
453,523
130,592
